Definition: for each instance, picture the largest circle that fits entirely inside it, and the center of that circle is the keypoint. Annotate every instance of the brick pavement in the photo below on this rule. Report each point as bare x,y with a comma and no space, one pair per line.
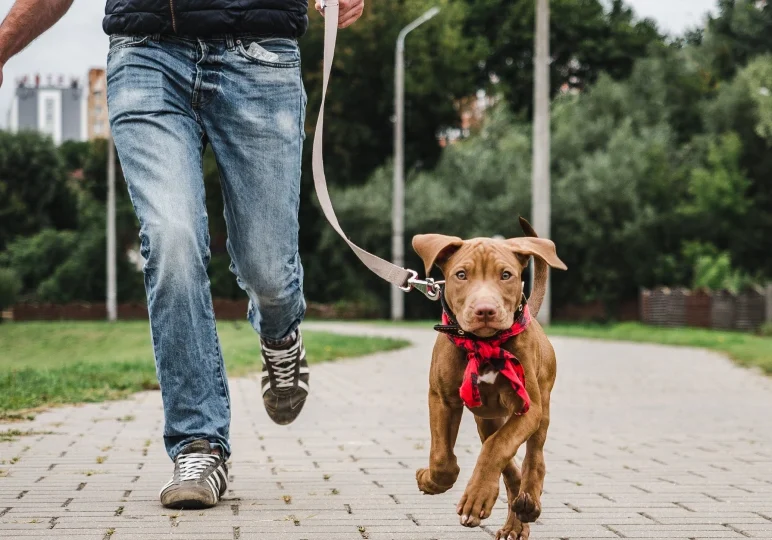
646,442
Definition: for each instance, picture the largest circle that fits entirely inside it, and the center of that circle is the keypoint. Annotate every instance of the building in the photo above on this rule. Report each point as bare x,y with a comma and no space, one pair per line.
96,105
54,108
471,113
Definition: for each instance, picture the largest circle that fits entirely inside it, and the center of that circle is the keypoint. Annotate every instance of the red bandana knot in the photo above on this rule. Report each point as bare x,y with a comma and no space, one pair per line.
490,351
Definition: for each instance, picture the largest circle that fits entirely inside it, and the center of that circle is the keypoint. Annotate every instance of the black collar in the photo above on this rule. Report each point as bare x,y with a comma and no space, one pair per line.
454,329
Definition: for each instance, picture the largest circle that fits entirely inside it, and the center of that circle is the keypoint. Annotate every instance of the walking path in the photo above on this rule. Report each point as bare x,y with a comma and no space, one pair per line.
646,442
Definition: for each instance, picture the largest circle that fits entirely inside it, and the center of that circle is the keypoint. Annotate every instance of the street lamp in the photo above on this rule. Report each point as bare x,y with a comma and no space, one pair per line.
541,137
398,201
112,310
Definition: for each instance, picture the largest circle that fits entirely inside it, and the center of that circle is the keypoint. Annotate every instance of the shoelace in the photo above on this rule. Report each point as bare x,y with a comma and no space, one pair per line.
192,466
283,362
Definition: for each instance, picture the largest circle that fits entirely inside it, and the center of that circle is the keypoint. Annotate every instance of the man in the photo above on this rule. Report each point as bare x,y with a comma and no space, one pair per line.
182,74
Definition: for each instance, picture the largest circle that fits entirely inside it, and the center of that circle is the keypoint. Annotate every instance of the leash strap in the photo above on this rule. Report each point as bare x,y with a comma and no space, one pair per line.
401,277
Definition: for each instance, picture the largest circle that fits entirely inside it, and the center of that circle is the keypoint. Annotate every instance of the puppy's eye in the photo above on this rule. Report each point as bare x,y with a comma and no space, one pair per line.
461,275
506,275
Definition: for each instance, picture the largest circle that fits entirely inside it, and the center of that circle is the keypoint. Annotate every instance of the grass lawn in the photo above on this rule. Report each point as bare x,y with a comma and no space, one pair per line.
69,362
746,349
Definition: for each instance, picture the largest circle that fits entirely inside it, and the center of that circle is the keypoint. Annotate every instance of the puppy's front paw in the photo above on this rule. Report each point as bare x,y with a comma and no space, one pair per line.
507,533
527,508
477,502
427,485
513,529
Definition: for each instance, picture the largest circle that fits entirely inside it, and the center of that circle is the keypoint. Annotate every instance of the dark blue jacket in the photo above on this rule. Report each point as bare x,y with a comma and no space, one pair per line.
202,18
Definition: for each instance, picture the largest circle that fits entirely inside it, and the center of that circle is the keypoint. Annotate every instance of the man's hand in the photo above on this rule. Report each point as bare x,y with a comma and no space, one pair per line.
26,20
349,11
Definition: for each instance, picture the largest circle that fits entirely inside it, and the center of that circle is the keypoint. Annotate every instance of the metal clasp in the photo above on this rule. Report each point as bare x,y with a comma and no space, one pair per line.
430,288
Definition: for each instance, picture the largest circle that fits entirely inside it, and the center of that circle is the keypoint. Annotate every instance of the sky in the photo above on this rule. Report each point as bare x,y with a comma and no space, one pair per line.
77,42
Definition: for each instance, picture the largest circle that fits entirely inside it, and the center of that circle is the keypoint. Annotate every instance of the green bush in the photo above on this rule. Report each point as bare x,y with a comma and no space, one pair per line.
10,286
36,257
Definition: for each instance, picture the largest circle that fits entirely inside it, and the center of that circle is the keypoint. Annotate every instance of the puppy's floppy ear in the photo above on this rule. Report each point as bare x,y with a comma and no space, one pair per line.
435,248
537,247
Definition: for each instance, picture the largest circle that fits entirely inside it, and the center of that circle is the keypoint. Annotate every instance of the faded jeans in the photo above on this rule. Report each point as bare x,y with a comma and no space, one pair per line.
167,98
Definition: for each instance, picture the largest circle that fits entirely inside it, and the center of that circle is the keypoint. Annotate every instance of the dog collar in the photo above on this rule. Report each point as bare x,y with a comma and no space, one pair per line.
451,327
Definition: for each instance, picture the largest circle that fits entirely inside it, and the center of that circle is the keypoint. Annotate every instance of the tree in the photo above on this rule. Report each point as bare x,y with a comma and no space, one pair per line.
585,41
741,107
32,177
718,192
94,184
65,266
440,59
741,30
74,154
10,286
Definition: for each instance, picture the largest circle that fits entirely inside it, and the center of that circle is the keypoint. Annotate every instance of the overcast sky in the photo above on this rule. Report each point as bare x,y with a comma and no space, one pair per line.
77,43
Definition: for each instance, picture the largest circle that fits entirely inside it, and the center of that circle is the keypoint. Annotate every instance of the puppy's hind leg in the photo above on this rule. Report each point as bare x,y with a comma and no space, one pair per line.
443,470
513,529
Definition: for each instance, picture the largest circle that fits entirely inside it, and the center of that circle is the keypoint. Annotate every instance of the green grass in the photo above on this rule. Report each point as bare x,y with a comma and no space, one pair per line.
51,363
746,349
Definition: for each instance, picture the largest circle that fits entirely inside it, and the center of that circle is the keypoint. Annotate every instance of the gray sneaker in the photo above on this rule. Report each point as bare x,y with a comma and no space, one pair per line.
285,378
200,478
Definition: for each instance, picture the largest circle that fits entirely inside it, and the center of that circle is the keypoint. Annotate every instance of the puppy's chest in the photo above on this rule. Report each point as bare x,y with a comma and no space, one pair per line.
488,377
496,394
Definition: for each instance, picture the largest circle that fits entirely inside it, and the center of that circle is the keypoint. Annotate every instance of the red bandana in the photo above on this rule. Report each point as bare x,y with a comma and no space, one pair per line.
481,351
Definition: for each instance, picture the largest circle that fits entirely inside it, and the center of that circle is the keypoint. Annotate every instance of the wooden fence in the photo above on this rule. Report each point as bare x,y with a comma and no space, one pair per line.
721,310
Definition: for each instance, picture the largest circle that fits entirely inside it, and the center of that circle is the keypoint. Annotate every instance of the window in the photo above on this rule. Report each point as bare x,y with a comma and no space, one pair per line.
49,115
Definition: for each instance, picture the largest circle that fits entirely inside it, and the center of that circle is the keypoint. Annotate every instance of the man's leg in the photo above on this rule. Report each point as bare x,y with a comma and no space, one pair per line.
159,141
255,125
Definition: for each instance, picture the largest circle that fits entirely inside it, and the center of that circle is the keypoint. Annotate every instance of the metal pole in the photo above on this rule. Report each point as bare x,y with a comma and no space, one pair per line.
398,192
541,136
112,309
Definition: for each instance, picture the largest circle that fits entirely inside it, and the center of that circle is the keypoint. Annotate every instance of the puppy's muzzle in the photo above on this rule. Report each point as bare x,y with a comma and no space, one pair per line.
485,312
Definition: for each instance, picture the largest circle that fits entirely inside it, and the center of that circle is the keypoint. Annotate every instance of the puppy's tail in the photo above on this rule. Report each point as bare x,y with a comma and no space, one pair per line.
540,274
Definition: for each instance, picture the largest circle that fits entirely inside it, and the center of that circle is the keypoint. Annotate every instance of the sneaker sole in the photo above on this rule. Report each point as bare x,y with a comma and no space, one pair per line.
183,499
285,416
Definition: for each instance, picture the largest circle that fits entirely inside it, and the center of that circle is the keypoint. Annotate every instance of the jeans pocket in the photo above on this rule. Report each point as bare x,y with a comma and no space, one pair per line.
120,41
271,52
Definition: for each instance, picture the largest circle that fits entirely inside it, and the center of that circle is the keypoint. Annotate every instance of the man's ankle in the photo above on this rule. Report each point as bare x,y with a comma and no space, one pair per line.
280,343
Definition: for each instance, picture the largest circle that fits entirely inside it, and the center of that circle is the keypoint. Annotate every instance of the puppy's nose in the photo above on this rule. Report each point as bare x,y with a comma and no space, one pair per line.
485,311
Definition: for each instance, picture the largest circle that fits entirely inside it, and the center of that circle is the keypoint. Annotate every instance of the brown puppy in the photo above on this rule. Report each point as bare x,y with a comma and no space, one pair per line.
484,290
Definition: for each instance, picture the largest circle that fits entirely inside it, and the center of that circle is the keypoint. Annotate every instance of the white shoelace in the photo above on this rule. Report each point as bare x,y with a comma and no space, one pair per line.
283,362
193,465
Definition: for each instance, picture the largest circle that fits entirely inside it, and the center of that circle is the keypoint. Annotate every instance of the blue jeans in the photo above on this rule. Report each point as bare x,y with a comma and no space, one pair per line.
168,97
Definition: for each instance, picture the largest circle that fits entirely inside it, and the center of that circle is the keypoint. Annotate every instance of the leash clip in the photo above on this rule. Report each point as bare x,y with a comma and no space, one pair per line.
430,288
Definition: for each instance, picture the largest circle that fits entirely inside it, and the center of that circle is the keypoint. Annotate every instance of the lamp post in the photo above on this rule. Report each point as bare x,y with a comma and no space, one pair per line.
398,194
112,309
541,136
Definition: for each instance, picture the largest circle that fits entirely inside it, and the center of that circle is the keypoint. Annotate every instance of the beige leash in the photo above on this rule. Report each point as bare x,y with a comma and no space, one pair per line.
403,278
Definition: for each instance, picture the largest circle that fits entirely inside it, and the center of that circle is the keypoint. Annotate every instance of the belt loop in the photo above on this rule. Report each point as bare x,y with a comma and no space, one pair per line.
229,42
